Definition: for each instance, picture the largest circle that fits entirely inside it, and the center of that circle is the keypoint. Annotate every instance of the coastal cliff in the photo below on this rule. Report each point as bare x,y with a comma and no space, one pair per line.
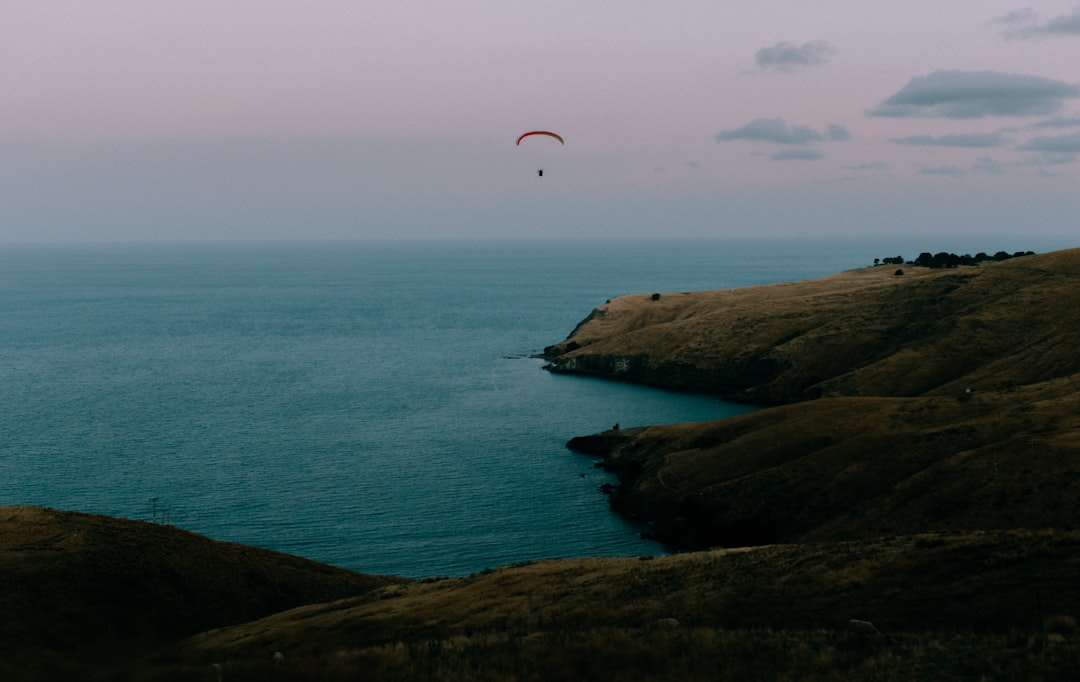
899,403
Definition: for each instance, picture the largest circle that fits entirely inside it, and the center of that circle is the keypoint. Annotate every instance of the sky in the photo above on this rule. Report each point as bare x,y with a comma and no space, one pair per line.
126,120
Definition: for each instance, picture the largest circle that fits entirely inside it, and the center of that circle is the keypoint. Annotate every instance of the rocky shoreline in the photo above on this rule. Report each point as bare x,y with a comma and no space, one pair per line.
936,400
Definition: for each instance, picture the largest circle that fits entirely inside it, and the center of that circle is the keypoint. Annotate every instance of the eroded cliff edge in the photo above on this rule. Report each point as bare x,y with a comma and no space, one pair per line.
931,400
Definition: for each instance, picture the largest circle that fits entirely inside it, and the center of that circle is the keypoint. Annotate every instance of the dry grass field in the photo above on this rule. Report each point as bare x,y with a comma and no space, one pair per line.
917,472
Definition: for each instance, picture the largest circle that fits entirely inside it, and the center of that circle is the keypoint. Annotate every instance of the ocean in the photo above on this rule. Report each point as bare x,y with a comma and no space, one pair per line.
376,406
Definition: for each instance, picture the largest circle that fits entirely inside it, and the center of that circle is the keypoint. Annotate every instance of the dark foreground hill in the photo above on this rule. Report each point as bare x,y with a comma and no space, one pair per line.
81,589
93,598
932,400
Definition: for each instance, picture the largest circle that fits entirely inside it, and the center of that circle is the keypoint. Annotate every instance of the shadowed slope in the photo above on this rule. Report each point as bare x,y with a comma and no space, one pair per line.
81,582
856,468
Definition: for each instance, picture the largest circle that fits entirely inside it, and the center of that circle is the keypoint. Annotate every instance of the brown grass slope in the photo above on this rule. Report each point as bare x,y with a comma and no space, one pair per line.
605,618
945,400
861,332
82,584
85,597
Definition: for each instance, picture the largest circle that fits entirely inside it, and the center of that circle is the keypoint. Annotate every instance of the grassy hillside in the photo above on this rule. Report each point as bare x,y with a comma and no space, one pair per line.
942,606
861,332
939,399
80,587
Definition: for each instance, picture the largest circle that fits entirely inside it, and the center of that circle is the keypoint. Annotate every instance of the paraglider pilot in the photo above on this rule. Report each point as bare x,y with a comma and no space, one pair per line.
546,133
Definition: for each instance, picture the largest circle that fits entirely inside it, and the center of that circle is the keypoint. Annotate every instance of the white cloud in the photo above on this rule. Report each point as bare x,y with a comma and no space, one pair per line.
976,94
785,56
973,140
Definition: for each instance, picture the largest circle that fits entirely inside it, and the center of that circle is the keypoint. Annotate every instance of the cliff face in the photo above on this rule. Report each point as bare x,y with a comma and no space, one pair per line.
930,400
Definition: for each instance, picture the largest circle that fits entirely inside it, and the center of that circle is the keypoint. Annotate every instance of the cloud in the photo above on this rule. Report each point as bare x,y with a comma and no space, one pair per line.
955,171
873,165
797,155
837,132
976,94
1058,122
972,140
985,164
785,56
1016,19
1020,16
1025,25
1054,144
1046,159
777,131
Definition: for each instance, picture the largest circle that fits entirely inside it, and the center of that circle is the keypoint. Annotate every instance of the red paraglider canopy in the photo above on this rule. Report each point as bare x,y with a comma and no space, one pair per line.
541,132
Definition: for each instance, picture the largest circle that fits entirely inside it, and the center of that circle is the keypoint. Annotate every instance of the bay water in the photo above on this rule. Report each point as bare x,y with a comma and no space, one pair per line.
376,406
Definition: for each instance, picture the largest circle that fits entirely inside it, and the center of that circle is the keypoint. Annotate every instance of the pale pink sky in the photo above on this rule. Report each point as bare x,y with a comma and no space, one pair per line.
249,119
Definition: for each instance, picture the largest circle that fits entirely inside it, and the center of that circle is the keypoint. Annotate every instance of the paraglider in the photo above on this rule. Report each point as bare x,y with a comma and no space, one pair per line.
540,171
541,132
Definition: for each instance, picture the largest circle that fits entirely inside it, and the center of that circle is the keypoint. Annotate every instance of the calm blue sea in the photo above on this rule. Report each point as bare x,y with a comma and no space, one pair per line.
369,405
